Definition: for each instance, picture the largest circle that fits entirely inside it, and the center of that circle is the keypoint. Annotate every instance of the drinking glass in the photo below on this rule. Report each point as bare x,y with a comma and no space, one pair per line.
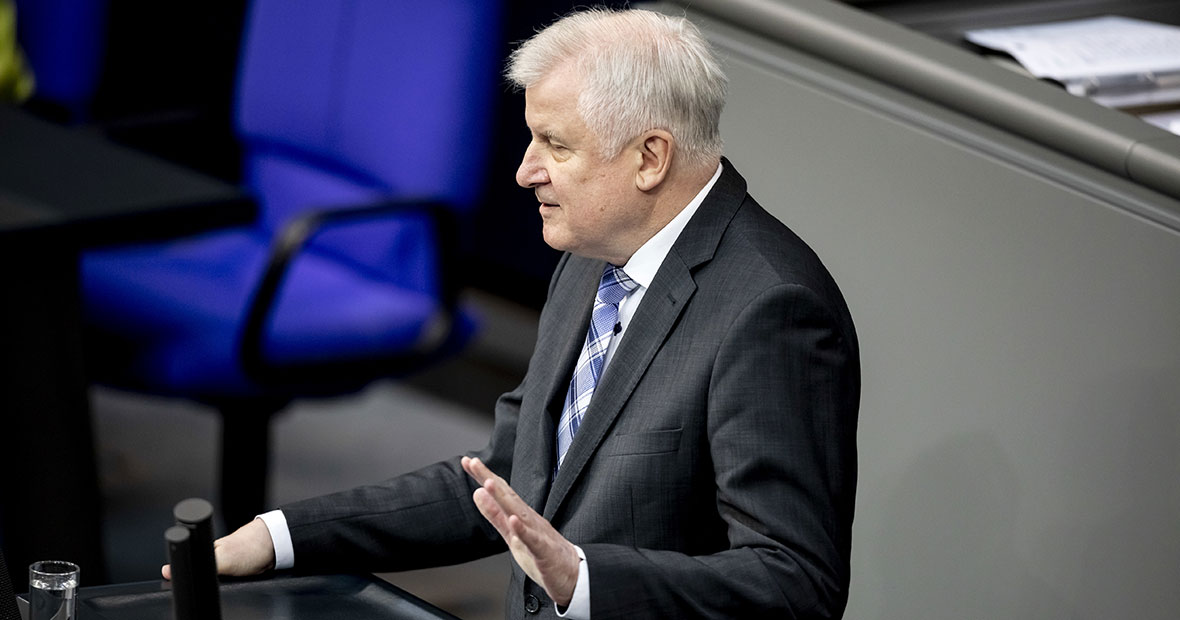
52,585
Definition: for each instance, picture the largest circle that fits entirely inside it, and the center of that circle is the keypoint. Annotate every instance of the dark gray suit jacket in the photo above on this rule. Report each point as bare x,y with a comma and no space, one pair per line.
714,472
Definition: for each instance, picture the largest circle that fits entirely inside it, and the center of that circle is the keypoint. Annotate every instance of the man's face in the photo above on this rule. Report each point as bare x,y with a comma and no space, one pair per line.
589,205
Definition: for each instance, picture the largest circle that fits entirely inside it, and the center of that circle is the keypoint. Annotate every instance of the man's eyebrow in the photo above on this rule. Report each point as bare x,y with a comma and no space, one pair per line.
551,136
546,135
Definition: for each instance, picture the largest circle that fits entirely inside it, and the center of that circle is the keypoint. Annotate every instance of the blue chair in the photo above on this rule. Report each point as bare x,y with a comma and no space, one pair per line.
365,126
64,42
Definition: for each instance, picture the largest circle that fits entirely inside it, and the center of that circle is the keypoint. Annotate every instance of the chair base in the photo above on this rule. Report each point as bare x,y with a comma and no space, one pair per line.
245,458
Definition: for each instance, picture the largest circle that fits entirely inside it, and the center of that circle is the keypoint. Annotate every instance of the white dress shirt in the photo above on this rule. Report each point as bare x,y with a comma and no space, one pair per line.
642,268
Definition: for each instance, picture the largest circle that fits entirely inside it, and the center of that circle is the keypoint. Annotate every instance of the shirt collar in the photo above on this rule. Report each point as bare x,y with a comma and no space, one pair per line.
646,261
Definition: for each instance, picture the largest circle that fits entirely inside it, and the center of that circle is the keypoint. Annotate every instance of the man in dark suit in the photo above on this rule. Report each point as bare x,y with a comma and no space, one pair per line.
683,443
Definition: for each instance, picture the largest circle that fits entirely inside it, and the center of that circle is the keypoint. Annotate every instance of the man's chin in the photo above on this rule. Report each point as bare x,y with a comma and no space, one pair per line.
553,238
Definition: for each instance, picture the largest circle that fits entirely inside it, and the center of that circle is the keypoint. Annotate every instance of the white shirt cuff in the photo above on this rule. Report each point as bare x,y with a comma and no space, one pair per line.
280,537
579,608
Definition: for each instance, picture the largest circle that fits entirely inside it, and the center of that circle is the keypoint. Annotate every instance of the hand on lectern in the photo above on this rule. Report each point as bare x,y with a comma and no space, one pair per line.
247,551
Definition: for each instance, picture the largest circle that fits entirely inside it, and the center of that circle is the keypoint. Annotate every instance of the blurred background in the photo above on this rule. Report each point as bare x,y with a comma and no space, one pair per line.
162,78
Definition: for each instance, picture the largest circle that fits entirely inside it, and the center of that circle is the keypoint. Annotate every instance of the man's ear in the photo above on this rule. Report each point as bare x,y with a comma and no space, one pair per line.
656,149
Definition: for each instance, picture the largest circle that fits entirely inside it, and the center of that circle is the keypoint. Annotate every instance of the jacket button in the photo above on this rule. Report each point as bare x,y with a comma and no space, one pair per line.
531,604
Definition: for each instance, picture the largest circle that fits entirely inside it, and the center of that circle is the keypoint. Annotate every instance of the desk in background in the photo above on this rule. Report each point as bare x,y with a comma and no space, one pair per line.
62,191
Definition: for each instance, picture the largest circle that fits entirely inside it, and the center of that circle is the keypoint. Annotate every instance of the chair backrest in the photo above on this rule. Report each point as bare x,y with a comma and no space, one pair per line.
64,41
8,608
343,102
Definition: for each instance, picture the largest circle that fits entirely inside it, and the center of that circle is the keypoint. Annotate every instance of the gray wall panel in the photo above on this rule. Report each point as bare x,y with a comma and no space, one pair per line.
1019,314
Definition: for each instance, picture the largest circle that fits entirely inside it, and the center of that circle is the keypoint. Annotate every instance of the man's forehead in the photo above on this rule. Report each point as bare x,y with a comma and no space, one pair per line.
547,104
563,82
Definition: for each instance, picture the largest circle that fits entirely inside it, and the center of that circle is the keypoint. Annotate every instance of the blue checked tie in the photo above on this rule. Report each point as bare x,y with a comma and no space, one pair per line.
613,288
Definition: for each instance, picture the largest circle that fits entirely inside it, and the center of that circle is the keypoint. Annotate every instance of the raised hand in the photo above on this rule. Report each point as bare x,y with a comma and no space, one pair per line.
545,555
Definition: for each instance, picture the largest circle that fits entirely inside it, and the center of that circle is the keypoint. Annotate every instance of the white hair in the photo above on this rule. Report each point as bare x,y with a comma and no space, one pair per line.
640,70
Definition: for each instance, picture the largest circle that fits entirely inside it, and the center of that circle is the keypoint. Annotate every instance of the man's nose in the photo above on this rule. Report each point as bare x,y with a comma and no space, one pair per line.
531,173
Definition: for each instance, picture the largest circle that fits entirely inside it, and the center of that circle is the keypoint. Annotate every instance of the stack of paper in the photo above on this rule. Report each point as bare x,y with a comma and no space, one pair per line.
1116,61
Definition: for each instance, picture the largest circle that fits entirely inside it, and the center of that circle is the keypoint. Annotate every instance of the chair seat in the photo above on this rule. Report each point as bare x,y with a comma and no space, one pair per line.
178,308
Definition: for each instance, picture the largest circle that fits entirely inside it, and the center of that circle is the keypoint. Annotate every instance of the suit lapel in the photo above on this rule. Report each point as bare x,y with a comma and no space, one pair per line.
571,338
553,362
670,291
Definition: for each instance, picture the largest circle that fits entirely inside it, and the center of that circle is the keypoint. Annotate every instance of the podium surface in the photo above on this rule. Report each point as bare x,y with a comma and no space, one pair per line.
318,597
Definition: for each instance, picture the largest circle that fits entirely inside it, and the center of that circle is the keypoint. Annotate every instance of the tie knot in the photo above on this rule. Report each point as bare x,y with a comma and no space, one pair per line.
614,286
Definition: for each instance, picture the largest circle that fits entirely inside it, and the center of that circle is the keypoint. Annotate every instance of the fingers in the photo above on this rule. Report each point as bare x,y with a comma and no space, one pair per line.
533,538
509,501
490,509
516,521
166,572
496,501
476,469
540,550
540,541
544,554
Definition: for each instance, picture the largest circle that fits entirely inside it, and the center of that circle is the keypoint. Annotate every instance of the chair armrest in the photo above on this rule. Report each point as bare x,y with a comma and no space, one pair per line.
292,240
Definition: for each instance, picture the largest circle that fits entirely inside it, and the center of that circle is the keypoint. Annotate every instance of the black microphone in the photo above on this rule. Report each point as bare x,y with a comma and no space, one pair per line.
199,585
618,327
178,541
